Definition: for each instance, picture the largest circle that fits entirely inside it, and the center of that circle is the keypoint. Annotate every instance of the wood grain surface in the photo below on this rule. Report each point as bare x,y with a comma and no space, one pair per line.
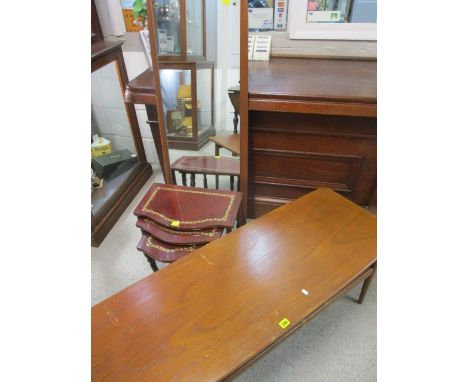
230,142
207,165
344,81
214,311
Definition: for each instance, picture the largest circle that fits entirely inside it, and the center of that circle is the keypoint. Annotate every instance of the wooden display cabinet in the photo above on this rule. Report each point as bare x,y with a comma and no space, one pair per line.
116,121
186,129
181,29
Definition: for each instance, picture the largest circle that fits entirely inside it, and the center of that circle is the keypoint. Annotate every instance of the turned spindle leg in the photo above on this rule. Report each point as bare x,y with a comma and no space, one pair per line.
236,122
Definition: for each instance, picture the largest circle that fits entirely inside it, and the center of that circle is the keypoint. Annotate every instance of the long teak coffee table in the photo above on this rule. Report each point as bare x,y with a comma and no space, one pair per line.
210,314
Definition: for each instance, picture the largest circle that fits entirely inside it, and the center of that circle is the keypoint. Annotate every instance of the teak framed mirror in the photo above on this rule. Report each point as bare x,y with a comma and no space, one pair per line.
185,100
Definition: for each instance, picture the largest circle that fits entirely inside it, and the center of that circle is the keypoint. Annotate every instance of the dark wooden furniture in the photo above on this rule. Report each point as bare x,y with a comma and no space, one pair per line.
234,95
206,165
211,314
96,31
183,208
230,142
311,123
177,220
117,192
172,236
141,91
153,249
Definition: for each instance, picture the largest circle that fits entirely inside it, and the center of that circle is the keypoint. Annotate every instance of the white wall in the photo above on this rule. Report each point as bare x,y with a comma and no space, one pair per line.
227,73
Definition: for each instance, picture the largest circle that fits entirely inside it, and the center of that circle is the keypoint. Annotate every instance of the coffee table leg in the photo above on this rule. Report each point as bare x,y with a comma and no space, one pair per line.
365,285
184,179
205,181
192,180
174,177
231,177
152,263
238,183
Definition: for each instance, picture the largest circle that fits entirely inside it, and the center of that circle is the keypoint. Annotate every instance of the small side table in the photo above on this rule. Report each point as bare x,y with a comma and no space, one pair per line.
177,220
207,165
229,142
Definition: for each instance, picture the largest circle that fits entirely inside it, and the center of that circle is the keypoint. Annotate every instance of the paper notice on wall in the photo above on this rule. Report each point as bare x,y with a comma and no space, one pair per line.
260,18
251,46
262,48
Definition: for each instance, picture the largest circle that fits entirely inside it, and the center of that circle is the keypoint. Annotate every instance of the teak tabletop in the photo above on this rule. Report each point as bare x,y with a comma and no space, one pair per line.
216,310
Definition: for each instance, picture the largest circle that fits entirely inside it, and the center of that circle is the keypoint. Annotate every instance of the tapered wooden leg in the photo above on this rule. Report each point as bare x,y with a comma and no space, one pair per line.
192,180
365,285
205,181
236,122
238,183
152,263
231,178
217,181
184,178
174,177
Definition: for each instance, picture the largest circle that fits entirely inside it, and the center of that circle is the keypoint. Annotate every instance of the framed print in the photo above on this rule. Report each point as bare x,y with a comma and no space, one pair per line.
327,20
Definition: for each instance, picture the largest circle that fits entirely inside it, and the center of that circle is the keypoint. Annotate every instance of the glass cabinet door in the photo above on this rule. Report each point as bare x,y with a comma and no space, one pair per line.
113,153
168,15
176,87
194,17
204,99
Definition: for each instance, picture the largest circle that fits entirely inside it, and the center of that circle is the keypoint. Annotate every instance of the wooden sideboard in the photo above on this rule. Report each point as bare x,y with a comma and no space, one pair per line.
311,123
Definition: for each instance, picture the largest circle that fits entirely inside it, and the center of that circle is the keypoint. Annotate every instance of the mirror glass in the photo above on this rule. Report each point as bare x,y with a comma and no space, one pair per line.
203,145
194,18
168,16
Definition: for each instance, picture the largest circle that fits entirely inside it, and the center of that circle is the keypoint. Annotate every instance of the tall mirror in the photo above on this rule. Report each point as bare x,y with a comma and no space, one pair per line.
199,94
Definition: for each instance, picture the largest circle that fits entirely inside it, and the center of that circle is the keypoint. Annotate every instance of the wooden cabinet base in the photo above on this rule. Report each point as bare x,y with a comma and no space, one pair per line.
292,154
188,143
101,227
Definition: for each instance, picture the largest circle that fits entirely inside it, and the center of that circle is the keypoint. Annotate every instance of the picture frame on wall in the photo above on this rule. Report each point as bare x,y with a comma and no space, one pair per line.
305,23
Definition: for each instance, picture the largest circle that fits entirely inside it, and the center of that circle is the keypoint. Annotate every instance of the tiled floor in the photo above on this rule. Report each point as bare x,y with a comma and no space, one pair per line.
338,345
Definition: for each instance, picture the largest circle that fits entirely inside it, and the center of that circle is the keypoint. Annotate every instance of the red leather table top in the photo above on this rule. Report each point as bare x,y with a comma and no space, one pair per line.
164,252
184,208
207,165
171,236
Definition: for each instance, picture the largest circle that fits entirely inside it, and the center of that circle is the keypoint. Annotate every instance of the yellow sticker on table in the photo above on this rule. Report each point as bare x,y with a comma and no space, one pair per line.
175,223
217,157
225,2
284,323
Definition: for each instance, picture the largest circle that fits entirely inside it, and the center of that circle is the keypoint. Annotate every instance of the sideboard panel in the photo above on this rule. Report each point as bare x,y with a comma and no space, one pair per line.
291,154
